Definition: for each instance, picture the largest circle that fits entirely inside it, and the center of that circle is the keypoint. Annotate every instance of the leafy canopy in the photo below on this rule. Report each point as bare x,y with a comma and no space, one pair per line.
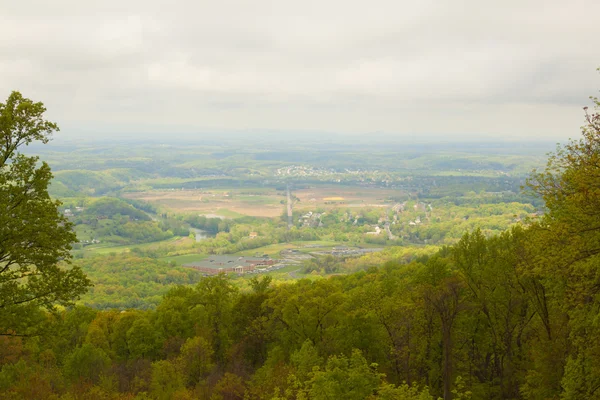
35,239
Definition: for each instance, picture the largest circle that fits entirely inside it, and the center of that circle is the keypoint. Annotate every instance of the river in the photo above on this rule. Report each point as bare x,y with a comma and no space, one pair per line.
202,235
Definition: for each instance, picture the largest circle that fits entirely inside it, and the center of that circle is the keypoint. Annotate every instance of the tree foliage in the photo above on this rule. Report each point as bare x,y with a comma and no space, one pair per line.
567,260
35,239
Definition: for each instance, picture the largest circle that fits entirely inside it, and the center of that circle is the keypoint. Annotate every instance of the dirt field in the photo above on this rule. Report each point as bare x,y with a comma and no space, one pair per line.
227,204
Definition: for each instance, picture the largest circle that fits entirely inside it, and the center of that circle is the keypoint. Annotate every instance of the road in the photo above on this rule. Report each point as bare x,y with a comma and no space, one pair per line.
389,232
289,208
293,274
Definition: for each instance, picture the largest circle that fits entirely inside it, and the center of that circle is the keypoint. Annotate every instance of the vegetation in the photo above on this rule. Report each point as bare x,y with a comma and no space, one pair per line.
124,281
34,236
507,310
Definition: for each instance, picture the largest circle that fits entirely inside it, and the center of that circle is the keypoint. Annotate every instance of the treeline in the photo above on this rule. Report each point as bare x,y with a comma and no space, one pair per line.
109,207
120,221
213,225
210,341
472,320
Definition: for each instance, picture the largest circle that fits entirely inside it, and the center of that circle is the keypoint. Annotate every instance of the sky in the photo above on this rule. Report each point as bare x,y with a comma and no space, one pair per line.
417,70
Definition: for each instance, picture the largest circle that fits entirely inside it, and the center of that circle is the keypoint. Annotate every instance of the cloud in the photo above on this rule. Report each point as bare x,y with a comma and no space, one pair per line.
465,68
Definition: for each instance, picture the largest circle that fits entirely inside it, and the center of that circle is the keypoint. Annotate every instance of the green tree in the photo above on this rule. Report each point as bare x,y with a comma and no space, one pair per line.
196,359
142,339
569,234
217,295
570,187
166,380
251,321
345,378
443,295
500,309
229,387
307,310
389,313
86,363
305,360
402,392
35,239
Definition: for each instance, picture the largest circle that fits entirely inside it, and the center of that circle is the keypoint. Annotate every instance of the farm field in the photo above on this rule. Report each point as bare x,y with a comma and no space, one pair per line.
261,202
328,196
222,203
139,208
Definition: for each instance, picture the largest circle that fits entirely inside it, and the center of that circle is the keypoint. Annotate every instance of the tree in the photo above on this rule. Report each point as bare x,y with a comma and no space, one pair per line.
166,380
569,234
196,360
35,239
570,187
345,378
500,310
443,295
229,387
86,363
142,339
216,294
307,310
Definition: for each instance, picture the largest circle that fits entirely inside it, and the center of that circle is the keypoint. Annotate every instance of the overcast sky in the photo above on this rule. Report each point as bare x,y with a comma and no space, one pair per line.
417,69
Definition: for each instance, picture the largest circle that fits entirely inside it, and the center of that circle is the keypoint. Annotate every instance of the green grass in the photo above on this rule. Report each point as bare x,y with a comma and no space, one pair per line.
280,275
107,248
285,276
288,269
104,248
184,259
318,242
272,250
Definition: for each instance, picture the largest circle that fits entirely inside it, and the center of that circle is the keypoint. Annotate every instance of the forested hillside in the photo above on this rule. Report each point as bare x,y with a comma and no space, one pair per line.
482,317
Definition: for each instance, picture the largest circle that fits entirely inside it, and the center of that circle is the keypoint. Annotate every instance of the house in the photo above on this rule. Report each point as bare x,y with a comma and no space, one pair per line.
253,235
377,231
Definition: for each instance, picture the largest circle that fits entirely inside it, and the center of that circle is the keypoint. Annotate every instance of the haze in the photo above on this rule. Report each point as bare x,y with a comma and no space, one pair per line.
419,70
